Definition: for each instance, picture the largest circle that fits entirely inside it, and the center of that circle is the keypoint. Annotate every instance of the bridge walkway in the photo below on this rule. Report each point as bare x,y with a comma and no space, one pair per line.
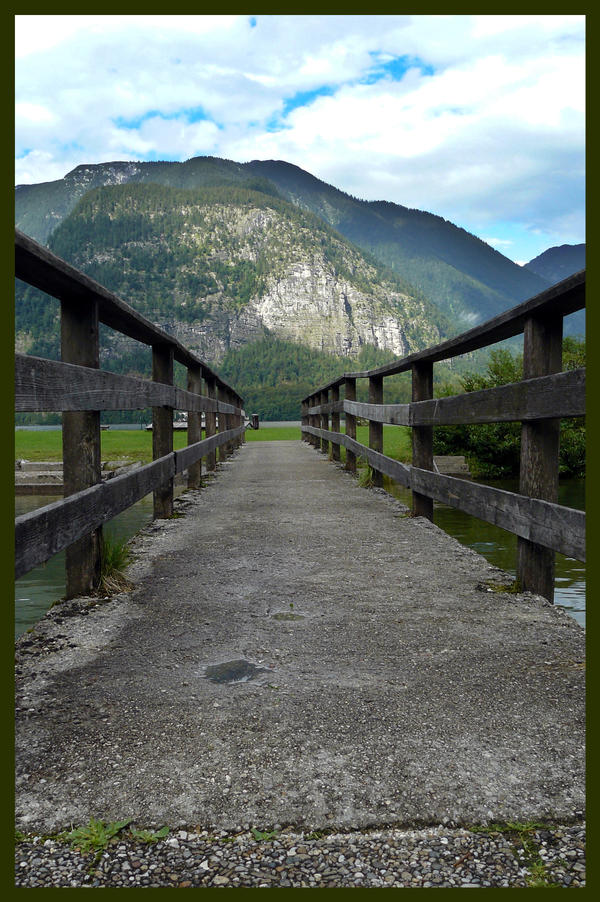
372,674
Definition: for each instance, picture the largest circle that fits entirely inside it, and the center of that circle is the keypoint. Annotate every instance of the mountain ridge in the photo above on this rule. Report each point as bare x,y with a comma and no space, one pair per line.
460,273
219,267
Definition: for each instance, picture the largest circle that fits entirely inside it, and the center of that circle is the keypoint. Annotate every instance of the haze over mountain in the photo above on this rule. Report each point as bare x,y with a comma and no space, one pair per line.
557,263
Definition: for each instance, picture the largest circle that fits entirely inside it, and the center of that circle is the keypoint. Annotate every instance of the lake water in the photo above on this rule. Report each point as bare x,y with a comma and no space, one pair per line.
499,547
40,588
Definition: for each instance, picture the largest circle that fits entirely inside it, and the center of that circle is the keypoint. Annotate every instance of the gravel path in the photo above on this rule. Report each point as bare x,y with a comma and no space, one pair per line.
298,652
438,857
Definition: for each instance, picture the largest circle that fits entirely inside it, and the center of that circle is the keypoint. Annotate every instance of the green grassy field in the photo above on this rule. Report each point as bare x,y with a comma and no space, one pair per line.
136,444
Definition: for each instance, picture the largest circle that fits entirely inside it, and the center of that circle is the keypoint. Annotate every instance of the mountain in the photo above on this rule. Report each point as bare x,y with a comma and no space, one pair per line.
220,267
459,272
557,263
466,278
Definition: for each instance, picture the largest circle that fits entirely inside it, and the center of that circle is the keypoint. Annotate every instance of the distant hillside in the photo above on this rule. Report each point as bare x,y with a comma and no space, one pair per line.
466,278
221,267
557,263
459,272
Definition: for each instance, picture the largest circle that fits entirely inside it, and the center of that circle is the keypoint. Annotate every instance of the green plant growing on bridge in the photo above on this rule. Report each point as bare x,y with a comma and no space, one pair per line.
115,558
96,836
148,836
524,848
263,835
365,476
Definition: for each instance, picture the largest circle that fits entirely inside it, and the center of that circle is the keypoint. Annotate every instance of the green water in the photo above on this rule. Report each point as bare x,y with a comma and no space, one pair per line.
36,591
500,547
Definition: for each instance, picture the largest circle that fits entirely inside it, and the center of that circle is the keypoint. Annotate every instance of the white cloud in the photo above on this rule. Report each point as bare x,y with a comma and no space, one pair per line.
487,124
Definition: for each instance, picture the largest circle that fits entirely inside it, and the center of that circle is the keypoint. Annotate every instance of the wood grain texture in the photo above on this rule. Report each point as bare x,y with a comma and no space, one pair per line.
552,525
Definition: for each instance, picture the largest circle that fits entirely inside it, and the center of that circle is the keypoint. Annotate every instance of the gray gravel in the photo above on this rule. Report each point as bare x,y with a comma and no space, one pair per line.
437,856
383,677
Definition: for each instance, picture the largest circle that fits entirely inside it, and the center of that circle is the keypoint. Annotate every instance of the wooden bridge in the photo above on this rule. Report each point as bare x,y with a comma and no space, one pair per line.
539,401
295,650
77,386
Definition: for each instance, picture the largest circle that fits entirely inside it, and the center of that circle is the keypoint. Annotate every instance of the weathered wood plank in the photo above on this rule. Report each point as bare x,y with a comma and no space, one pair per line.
42,385
394,414
162,428
38,266
194,430
349,398
422,436
211,422
335,422
551,525
560,528
326,409
375,427
324,421
538,471
79,339
45,531
558,395
544,397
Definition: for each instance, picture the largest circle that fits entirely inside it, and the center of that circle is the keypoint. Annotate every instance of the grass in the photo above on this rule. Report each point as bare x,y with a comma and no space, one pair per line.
95,836
525,849
115,558
273,434
397,442
136,444
126,444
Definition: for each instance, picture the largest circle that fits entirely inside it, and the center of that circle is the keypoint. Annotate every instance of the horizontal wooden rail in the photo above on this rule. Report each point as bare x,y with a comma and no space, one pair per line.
39,267
544,397
552,525
538,402
45,385
43,532
560,300
78,388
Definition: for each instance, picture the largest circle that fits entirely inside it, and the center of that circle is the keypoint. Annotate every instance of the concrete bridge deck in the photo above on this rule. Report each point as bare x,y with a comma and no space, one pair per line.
384,682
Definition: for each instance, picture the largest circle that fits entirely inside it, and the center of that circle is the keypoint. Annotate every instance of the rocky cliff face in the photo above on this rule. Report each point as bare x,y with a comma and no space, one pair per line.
218,272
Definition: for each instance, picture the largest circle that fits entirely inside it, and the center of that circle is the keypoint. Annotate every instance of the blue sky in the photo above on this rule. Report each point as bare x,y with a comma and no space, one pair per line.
479,119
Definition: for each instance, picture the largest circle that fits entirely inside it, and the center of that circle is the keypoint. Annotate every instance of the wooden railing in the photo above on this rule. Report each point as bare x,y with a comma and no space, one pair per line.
77,387
539,402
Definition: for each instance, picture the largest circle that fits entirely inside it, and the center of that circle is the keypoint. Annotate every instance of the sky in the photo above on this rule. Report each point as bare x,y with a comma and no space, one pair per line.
479,119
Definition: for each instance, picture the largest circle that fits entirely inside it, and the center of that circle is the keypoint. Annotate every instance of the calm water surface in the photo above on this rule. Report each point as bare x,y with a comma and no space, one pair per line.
41,587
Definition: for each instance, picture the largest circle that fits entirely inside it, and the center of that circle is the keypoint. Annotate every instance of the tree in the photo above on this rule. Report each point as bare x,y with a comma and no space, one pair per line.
493,449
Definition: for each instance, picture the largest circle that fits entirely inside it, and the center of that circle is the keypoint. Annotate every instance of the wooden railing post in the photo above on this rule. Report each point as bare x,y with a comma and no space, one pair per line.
239,421
376,429
325,422
422,436
194,430
335,423
224,450
538,478
315,421
211,420
162,427
350,395
304,417
81,444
